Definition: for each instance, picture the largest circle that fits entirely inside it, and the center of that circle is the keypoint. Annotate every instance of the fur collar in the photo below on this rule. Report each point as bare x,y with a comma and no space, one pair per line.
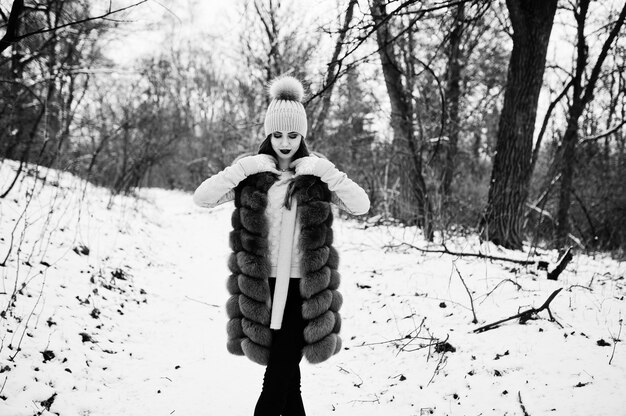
248,306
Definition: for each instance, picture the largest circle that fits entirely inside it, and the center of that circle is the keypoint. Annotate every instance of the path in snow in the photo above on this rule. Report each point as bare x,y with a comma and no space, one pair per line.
387,295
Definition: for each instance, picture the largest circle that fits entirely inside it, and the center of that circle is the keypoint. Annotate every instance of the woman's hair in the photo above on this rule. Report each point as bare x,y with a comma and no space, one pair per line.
266,148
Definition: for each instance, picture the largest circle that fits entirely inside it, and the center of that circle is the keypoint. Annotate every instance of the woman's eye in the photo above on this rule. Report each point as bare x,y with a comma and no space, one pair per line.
293,136
277,135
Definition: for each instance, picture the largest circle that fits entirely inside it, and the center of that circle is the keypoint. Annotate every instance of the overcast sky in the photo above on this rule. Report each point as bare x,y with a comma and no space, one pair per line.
216,22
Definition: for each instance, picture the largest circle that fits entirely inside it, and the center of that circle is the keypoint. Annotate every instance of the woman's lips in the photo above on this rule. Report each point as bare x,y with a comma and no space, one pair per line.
285,151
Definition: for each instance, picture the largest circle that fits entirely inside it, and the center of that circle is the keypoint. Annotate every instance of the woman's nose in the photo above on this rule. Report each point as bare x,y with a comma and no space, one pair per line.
284,142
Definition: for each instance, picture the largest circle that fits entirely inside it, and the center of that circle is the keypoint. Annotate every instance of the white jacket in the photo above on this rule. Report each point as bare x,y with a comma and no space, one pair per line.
219,188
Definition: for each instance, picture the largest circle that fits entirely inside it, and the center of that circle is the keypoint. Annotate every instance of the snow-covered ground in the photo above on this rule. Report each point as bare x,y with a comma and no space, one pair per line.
136,325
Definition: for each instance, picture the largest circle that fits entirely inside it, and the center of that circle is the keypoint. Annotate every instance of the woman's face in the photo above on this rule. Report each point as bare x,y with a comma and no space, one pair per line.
286,143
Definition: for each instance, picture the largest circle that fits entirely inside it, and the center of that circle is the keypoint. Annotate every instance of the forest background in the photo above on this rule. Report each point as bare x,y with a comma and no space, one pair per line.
499,117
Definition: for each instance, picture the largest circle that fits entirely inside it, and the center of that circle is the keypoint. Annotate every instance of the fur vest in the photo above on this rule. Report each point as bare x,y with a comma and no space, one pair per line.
248,307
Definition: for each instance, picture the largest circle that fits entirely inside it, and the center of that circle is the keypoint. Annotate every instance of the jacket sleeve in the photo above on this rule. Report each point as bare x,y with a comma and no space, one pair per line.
346,194
219,188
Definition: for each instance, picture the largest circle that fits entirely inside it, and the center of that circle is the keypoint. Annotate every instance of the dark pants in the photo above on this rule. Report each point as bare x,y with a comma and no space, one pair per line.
281,383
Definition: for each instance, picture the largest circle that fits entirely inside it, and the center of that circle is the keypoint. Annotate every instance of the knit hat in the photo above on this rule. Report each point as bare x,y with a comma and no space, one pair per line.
285,112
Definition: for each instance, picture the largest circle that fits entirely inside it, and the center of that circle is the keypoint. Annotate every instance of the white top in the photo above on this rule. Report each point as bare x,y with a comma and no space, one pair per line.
274,214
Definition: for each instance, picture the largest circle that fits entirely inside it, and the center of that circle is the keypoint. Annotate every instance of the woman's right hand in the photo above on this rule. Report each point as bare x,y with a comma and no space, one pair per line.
258,163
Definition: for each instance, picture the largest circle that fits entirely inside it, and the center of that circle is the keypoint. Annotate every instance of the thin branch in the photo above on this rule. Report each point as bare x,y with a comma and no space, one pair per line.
4,384
616,340
204,303
441,361
77,22
519,398
18,348
595,72
544,125
519,287
372,29
475,320
460,254
604,134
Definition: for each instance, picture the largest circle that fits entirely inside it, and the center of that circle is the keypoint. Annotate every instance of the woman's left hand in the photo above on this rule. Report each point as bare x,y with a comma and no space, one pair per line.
311,165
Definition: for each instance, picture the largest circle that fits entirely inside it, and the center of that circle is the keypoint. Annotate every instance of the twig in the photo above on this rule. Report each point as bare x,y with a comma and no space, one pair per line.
519,397
525,315
204,303
616,340
519,287
442,359
475,320
18,348
4,384
459,254
77,22
433,342
419,330
376,400
603,134
392,340
569,289
352,372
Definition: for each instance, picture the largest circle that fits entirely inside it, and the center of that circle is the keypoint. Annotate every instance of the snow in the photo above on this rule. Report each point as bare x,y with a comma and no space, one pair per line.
157,345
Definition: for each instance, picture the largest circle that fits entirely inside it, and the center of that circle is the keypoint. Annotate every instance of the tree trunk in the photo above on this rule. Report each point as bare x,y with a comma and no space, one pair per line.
453,94
510,176
582,95
567,159
413,200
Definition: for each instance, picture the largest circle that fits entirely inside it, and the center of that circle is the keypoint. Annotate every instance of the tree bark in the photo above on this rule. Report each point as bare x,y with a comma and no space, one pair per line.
510,177
453,95
413,201
13,25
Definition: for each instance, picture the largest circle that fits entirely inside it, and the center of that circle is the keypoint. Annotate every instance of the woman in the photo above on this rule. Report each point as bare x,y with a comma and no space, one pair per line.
284,301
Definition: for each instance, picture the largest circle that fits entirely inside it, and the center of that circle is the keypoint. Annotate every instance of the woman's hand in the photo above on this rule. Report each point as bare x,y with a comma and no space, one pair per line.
311,165
258,163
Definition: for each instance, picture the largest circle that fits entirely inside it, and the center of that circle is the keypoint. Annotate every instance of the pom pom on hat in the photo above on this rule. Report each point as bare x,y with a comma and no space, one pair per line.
286,88
286,112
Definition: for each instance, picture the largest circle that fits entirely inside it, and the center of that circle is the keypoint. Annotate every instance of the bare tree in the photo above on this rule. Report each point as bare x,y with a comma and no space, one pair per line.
532,22
582,94
414,202
453,95
46,76
332,74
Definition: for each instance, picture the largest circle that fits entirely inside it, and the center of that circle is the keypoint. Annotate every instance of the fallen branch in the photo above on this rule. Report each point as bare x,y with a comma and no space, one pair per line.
460,254
561,264
525,315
